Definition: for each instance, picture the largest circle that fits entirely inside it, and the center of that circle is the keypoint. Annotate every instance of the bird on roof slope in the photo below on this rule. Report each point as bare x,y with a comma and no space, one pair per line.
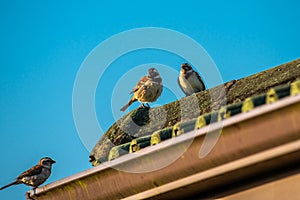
36,175
189,81
148,89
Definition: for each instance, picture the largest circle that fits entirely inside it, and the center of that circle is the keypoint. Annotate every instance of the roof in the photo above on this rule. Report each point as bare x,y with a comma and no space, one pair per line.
149,121
255,147
260,142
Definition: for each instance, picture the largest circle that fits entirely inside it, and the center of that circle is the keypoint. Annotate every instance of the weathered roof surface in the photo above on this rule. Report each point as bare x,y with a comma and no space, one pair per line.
228,111
143,122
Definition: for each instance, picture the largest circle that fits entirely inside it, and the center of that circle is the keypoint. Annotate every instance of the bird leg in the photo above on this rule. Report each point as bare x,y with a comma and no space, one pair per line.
145,106
142,105
34,191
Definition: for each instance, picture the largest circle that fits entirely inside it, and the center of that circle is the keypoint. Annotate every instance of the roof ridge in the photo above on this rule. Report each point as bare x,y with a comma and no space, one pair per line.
225,112
142,122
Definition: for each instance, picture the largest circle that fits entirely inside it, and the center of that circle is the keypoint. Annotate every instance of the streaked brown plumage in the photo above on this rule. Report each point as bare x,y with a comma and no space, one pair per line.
148,89
36,175
189,81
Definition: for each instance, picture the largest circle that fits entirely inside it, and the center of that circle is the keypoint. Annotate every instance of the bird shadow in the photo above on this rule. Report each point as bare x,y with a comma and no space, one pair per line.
141,116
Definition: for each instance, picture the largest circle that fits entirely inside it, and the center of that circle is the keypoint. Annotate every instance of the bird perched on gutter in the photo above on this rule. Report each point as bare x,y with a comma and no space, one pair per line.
189,81
148,89
36,175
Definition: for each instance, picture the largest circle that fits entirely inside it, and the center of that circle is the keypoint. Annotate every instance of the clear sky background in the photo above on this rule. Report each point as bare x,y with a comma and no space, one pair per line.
43,44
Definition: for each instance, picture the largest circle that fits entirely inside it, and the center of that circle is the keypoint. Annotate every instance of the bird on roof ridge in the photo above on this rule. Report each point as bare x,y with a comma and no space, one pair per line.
189,80
148,89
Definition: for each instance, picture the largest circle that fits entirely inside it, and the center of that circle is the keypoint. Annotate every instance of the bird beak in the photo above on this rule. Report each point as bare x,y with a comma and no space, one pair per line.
53,161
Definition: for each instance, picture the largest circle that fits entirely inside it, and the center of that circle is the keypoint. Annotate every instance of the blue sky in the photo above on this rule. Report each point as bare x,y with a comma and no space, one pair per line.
44,43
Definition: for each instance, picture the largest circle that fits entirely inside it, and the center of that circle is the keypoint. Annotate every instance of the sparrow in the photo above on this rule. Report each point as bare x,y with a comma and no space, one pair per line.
148,89
36,175
189,81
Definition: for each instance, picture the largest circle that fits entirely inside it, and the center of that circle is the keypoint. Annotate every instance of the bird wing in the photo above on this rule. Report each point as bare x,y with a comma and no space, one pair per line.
31,172
178,81
200,79
139,84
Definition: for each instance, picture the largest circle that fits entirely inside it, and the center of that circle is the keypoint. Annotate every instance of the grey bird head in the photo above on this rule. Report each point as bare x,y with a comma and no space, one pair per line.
186,68
154,75
46,161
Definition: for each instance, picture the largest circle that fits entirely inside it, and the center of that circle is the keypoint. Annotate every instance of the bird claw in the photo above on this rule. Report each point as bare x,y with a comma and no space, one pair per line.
28,197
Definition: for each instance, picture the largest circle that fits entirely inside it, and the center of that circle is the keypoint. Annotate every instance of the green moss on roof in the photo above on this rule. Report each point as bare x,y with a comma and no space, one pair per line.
143,121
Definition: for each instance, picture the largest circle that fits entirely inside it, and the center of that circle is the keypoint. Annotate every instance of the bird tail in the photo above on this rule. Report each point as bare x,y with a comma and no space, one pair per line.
8,185
128,104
